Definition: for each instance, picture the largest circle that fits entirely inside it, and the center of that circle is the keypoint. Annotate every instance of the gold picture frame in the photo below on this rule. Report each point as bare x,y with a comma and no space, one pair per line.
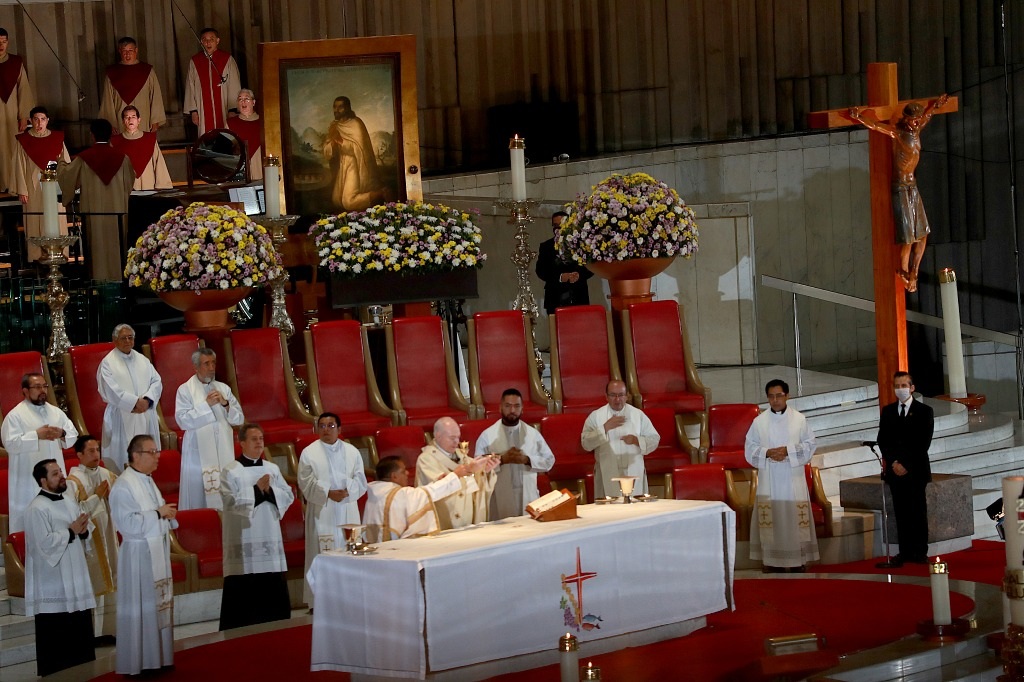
326,165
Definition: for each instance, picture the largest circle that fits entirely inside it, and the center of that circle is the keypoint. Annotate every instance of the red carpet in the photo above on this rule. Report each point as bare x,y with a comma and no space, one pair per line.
984,562
764,608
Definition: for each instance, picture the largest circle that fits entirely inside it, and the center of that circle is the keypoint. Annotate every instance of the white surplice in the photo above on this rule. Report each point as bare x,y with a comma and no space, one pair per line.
208,446
470,503
516,485
393,511
24,449
56,574
145,631
613,456
101,545
252,532
782,527
123,379
323,468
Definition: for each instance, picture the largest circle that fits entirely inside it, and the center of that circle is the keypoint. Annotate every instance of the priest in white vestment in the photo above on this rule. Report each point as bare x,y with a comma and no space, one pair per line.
145,587
256,496
395,509
89,484
620,436
470,504
332,480
523,453
34,430
131,388
207,410
57,588
779,444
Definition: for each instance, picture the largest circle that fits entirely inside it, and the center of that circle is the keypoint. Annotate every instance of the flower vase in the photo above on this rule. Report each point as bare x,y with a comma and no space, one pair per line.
630,280
205,310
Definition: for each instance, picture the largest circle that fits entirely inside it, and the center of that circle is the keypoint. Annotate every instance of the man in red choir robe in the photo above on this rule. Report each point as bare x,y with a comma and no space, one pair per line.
37,147
248,126
16,99
144,152
105,176
132,82
212,85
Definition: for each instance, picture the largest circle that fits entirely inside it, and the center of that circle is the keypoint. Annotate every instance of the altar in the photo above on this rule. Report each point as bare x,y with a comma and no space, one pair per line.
421,607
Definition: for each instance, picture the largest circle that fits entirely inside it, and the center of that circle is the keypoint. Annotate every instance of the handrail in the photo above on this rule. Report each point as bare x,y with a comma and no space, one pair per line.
865,304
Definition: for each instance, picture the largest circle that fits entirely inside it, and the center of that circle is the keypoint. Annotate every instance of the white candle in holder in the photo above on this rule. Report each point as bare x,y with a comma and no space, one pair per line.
48,184
272,186
569,657
517,150
941,612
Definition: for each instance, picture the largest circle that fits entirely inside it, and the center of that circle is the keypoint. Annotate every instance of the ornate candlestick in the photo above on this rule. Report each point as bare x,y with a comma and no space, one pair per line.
279,235
56,296
522,256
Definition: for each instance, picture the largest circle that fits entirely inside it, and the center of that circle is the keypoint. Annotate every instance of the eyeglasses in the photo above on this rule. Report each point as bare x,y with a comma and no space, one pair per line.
148,452
246,99
130,337
328,426
616,395
38,386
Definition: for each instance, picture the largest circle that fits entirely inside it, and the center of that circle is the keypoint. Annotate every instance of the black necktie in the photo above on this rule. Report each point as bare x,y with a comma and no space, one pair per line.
903,410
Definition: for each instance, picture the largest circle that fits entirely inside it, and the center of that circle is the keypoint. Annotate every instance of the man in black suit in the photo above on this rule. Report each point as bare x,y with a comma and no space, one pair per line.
904,436
565,283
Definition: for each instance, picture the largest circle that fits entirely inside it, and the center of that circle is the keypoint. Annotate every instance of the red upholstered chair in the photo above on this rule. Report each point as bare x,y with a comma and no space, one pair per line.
14,563
821,507
5,504
172,358
406,442
260,375
85,406
501,356
544,484
197,539
168,475
583,357
471,430
659,365
574,466
670,453
293,535
12,367
341,380
421,372
712,482
728,424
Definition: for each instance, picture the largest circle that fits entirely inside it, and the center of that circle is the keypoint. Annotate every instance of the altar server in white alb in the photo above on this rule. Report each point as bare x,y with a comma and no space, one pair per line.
145,588
57,588
34,430
470,504
332,480
779,444
207,410
620,436
256,496
131,388
395,509
89,484
523,453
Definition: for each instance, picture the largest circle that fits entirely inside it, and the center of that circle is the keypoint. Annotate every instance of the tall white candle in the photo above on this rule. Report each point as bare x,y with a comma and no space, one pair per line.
272,186
951,329
569,657
48,184
517,151
1012,487
941,613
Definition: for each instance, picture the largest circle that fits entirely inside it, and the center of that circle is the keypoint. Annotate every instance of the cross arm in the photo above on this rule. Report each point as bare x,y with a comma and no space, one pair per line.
840,118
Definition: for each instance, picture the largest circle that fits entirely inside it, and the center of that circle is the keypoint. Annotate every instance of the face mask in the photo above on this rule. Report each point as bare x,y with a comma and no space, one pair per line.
902,394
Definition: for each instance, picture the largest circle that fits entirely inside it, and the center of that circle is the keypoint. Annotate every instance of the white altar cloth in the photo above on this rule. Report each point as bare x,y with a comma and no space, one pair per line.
498,589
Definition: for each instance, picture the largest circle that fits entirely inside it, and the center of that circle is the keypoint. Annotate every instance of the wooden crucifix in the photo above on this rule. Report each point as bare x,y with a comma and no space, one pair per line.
895,271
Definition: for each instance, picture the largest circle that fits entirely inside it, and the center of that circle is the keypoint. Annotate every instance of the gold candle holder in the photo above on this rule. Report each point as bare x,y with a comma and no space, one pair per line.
522,256
278,228
591,672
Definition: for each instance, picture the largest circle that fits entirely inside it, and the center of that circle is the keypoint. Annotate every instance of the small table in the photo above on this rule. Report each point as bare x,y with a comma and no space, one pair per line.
513,587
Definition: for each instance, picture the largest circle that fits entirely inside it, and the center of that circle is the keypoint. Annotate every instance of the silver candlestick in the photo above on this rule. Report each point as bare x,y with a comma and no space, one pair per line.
522,256
279,317
56,296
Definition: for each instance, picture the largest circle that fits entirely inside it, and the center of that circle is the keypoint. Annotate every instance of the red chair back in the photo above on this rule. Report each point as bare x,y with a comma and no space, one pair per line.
172,358
5,497
17,541
700,482
420,362
13,366
664,421
199,531
342,385
168,475
657,347
259,373
728,424
471,431
406,442
583,370
562,434
501,356
85,361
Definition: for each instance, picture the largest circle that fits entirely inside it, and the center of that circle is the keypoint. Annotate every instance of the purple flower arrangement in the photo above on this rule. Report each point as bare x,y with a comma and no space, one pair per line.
202,247
626,217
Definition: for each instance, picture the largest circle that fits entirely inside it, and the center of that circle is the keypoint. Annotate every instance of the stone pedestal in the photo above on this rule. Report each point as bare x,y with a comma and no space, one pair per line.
950,508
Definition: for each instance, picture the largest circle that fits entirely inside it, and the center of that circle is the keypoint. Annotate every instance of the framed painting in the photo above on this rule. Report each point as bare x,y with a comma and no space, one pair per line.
341,115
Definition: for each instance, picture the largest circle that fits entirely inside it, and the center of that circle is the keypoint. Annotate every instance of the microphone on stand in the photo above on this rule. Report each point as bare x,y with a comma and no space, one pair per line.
888,563
869,443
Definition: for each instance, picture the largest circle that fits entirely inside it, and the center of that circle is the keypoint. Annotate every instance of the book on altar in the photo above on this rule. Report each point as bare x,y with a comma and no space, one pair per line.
555,506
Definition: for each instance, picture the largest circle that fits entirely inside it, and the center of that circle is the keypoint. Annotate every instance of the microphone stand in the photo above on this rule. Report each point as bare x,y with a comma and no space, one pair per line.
888,563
